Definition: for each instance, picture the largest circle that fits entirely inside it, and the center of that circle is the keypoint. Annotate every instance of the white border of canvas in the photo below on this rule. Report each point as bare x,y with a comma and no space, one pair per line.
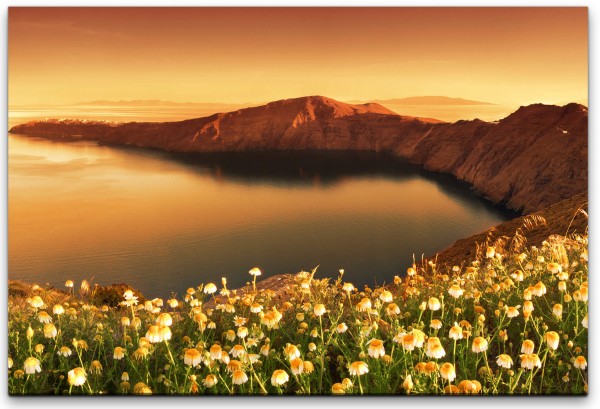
592,400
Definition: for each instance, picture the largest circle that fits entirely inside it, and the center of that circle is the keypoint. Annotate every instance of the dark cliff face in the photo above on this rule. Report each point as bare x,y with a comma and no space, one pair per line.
533,158
560,218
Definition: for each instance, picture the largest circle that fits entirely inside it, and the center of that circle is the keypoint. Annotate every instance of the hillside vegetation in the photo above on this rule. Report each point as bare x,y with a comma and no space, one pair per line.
512,320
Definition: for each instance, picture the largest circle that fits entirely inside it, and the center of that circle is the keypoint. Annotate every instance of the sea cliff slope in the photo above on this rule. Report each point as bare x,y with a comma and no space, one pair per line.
531,159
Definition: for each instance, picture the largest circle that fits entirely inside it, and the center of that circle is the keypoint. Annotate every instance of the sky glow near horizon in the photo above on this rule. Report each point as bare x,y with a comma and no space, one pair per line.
510,56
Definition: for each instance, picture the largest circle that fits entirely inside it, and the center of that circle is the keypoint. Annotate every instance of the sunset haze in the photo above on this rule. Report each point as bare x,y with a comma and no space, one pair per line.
512,56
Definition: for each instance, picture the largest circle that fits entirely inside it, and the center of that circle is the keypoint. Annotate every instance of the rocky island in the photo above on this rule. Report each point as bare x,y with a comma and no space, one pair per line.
531,159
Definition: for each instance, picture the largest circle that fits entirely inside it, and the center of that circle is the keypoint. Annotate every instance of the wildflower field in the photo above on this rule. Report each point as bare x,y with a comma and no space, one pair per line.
512,321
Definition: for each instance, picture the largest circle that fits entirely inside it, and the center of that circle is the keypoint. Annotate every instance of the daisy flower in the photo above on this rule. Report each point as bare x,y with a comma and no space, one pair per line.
297,366
64,351
242,332
348,287
319,310
239,377
76,377
386,296
291,351
37,302
50,331
153,334
504,361
216,352
237,351
358,368
435,348
447,371
557,311
141,388
239,321
455,291
455,332
119,353
376,348
408,383
552,339
512,312
58,309
529,361
32,365
580,362
434,304
210,381
480,344
255,272
363,305
192,357
44,317
408,342
337,389
164,320
279,377
392,309
435,324
527,347
210,288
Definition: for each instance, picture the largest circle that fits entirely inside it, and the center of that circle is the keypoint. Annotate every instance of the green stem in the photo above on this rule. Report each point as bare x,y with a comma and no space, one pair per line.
322,356
512,388
262,387
224,383
454,354
543,369
487,364
576,316
530,382
173,363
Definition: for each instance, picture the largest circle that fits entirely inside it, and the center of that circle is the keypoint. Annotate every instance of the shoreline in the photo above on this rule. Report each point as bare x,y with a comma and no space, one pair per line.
532,149
558,219
533,161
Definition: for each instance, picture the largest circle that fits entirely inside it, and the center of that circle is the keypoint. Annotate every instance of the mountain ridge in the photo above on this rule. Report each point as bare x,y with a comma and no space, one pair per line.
534,157
415,100
430,100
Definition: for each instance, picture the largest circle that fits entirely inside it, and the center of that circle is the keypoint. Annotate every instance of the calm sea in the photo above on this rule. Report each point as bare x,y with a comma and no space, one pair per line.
163,222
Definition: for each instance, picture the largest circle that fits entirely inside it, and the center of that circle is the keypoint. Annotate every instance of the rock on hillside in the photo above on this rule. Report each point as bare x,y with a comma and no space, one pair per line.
535,157
562,218
309,123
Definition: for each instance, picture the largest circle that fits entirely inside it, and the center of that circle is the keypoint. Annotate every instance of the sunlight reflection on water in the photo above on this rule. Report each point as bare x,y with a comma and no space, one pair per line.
163,222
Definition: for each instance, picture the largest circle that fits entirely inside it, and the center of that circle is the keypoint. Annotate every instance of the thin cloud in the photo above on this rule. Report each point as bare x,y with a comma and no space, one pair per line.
75,29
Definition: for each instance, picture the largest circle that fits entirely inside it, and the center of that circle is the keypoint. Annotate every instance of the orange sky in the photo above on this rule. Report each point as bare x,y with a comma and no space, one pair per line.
500,55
